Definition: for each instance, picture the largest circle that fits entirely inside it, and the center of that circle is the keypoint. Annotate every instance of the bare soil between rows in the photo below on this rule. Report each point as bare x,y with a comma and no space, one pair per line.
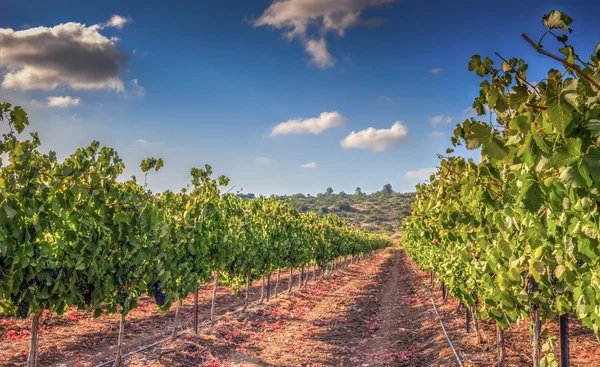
374,313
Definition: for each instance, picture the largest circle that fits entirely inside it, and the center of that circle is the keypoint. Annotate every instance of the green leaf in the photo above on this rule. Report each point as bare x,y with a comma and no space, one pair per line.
10,211
495,148
519,97
571,176
537,270
568,154
514,275
519,123
475,62
593,126
532,196
559,111
563,273
592,162
479,132
504,247
557,20
539,141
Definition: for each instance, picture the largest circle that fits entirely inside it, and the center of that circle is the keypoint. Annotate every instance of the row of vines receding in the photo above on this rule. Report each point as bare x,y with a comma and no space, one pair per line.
73,233
515,236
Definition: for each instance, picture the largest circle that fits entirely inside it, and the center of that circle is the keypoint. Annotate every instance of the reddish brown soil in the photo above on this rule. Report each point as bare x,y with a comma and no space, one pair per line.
376,313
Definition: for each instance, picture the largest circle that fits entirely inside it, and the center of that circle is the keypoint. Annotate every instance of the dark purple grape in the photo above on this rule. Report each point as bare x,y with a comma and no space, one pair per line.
122,297
159,296
87,294
553,279
55,274
533,306
579,262
87,298
23,310
532,285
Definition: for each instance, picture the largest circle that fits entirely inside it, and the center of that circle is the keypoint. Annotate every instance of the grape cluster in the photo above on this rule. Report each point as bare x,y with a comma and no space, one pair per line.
532,285
1,274
87,295
23,310
55,274
122,297
579,262
553,283
159,296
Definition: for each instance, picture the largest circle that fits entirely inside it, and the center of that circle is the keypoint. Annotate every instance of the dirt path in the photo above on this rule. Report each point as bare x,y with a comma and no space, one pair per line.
370,314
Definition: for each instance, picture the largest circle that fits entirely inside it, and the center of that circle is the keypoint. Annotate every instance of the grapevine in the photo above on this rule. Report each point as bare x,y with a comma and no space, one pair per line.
520,227
74,234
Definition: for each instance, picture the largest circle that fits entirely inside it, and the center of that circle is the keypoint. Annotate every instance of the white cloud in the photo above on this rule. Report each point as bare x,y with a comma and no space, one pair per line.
470,112
309,165
384,98
35,103
436,71
376,139
137,88
63,102
117,21
318,51
263,160
69,54
436,134
422,174
441,118
315,125
141,141
297,17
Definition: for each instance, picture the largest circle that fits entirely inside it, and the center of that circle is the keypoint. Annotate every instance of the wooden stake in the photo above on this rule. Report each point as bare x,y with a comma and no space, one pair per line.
33,339
537,347
214,296
290,283
443,291
196,311
268,287
565,355
247,289
468,319
277,281
501,349
119,359
262,290
477,331
176,326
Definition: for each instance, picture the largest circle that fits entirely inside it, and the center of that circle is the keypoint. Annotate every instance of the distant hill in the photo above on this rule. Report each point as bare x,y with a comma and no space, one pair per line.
381,212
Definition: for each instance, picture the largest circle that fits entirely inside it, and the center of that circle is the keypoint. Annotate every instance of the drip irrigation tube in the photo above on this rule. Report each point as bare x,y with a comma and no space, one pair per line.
441,323
204,326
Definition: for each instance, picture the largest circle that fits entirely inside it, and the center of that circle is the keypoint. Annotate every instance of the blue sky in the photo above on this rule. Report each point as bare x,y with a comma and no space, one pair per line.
207,81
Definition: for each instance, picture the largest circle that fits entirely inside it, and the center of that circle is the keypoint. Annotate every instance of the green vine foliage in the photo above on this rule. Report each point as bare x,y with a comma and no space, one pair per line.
74,234
519,230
